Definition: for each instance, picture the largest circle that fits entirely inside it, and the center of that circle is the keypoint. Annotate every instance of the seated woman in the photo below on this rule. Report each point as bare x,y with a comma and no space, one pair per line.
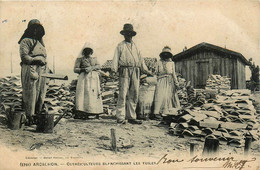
88,93
165,96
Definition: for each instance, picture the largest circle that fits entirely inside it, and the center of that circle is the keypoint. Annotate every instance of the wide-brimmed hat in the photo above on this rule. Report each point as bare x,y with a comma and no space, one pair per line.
166,52
128,28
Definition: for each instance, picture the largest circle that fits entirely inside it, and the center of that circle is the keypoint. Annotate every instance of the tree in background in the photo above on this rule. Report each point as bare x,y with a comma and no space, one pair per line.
254,76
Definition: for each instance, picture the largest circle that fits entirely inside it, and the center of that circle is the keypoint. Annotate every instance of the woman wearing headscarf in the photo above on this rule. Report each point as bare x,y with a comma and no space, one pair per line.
33,64
88,93
165,96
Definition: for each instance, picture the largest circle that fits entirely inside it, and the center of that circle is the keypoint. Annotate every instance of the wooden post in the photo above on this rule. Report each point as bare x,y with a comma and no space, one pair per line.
113,140
248,141
211,147
192,149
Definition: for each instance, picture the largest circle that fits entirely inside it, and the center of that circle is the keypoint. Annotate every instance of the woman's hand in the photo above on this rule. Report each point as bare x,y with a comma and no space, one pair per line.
88,69
39,60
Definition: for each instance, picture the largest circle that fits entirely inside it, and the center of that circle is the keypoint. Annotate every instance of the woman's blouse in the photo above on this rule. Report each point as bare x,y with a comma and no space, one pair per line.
32,48
165,67
84,62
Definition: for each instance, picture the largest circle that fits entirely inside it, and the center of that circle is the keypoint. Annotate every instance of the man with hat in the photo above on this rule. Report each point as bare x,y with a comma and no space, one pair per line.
128,62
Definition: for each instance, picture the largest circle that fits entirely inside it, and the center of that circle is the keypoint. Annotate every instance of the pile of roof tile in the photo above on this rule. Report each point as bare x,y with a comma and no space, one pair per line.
59,99
10,93
218,82
189,96
182,92
150,63
228,118
110,91
107,65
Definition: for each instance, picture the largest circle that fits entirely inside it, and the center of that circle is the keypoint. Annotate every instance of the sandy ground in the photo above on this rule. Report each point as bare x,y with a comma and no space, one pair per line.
77,140
92,137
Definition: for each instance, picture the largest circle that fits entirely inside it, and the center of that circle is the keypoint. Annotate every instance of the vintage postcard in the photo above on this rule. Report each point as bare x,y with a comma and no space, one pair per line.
150,84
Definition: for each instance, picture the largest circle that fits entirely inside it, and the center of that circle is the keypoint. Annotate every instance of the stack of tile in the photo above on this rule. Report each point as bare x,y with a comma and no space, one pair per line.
218,82
110,91
10,93
110,95
59,99
189,96
107,65
150,63
182,92
229,118
110,88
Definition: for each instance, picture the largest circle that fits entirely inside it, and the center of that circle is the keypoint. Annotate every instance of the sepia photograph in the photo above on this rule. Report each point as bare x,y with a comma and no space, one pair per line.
113,84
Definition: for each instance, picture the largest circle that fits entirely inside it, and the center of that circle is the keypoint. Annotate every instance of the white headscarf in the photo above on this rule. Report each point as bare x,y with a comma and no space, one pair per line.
86,45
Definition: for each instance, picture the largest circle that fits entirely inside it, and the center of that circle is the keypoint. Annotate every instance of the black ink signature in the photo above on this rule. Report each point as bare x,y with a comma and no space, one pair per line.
237,164
210,159
166,160
230,162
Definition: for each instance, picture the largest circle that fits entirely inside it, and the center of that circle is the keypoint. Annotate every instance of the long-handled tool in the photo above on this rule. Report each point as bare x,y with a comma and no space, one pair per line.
55,76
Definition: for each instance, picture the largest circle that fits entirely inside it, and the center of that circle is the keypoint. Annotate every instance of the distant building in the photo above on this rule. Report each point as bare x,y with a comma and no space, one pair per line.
196,63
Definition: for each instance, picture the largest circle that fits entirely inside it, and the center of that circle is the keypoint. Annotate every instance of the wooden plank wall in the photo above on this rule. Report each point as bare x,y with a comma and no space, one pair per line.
241,75
197,68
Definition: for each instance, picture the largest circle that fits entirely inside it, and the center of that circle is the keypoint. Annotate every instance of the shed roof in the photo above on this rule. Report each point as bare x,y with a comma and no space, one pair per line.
209,47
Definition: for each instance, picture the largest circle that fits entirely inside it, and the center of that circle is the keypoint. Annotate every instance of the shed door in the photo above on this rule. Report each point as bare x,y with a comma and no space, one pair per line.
202,74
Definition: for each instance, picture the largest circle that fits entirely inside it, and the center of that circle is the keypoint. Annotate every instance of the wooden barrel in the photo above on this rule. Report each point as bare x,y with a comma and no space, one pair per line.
45,123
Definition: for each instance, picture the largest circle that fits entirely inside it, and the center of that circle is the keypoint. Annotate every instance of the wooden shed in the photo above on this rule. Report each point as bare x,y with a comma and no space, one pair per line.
195,65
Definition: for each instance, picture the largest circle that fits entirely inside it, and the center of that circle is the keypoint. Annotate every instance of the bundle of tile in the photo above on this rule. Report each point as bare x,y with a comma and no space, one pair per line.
107,65
229,118
59,99
218,82
182,92
150,63
10,93
110,91
110,95
189,96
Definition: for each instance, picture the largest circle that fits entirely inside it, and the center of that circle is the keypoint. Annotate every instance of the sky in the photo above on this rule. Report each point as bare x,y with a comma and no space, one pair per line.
234,24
